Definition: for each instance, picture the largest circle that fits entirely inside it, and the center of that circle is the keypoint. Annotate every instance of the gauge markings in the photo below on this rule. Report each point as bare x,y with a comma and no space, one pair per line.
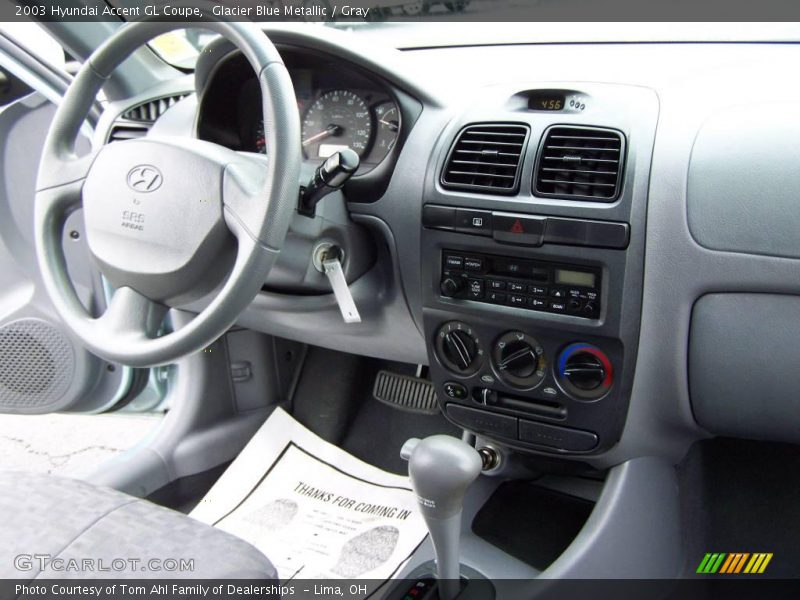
388,128
337,119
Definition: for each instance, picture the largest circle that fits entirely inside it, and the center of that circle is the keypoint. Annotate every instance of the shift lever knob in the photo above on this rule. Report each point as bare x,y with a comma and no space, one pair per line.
441,468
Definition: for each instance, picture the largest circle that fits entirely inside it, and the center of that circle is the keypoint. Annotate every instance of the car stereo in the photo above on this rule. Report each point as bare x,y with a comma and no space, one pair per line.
530,284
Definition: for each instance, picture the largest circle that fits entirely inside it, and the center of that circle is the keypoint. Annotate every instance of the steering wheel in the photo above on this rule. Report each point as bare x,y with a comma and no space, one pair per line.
167,219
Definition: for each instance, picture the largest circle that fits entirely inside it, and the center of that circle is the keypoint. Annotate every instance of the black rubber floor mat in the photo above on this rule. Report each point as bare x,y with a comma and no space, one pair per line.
335,400
405,392
531,523
379,431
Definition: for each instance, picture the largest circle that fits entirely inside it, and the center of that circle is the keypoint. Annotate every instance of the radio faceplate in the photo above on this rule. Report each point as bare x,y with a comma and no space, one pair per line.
520,283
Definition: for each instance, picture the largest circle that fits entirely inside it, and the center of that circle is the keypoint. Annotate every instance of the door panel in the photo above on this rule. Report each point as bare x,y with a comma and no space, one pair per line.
43,368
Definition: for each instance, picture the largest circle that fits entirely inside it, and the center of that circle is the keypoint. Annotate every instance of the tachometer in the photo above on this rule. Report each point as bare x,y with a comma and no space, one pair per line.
337,119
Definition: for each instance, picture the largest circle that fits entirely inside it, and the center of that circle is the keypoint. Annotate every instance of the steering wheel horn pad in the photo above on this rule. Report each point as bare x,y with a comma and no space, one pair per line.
154,217
168,220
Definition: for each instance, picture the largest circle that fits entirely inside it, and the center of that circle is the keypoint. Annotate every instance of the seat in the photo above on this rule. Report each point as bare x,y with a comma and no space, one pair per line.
93,531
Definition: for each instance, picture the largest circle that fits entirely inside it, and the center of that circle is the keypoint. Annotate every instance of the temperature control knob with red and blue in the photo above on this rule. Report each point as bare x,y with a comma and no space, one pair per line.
584,371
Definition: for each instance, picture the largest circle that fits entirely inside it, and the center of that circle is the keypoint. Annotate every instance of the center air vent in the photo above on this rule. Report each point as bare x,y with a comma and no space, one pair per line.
487,158
581,163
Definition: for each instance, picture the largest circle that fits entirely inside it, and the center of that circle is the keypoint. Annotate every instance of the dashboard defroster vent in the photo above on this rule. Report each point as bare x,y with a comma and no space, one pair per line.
580,163
487,157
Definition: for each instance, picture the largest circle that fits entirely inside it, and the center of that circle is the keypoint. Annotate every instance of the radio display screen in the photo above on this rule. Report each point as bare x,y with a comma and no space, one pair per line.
579,278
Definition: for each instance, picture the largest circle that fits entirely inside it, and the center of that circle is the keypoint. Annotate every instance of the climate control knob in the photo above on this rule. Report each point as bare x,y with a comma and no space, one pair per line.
519,360
584,371
458,349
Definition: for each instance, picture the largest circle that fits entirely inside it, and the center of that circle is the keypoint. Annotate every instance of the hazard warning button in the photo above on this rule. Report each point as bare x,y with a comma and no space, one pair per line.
524,230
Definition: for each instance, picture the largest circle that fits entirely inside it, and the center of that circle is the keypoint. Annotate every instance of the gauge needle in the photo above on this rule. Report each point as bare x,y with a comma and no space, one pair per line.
328,131
392,125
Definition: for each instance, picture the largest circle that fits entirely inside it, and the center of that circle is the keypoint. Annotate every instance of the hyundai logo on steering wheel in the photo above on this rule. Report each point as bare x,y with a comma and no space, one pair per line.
145,178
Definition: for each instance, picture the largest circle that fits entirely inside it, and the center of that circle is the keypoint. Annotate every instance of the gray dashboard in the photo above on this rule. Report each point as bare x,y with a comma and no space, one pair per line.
691,233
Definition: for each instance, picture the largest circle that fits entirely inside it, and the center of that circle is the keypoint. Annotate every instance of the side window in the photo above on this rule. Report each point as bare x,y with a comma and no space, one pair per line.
38,42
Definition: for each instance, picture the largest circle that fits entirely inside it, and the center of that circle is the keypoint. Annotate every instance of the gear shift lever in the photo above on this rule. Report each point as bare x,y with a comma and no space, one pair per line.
441,468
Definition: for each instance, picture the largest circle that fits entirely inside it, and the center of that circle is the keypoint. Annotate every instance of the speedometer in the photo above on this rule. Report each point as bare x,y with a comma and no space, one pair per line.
338,119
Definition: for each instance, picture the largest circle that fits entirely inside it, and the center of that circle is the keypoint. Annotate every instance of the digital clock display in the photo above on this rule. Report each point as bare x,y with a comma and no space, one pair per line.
547,100
579,278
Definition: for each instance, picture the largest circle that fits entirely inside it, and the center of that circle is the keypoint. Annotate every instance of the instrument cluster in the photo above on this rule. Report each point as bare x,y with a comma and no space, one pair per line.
339,105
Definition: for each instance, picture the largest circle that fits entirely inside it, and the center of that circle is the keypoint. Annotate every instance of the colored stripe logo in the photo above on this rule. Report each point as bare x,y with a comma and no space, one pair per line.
734,563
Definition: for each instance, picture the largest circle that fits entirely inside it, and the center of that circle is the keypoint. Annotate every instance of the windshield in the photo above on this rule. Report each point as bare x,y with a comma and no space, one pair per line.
182,47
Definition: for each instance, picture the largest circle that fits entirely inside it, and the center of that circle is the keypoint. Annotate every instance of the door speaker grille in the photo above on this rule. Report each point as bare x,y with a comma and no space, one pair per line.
37,364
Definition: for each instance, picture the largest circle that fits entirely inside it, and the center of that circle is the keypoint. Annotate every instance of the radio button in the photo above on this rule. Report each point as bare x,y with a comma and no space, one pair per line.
590,310
537,290
574,305
514,286
475,289
537,303
557,292
454,262
558,306
472,263
516,300
498,297
496,284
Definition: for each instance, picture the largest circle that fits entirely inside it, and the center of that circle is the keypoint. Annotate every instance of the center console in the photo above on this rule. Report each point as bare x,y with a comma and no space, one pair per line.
533,244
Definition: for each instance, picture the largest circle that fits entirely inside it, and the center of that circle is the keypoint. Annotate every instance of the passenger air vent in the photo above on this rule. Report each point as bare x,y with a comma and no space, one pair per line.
120,132
486,157
581,163
150,111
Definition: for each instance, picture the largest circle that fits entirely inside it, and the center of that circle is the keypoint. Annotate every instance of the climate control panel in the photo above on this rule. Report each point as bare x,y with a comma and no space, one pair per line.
529,388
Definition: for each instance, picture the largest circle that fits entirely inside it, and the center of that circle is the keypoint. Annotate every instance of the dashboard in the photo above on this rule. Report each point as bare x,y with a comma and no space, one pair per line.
589,314
591,248
340,107
531,223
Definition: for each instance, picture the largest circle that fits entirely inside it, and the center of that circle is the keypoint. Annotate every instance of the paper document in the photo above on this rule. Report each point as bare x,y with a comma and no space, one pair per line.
315,511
